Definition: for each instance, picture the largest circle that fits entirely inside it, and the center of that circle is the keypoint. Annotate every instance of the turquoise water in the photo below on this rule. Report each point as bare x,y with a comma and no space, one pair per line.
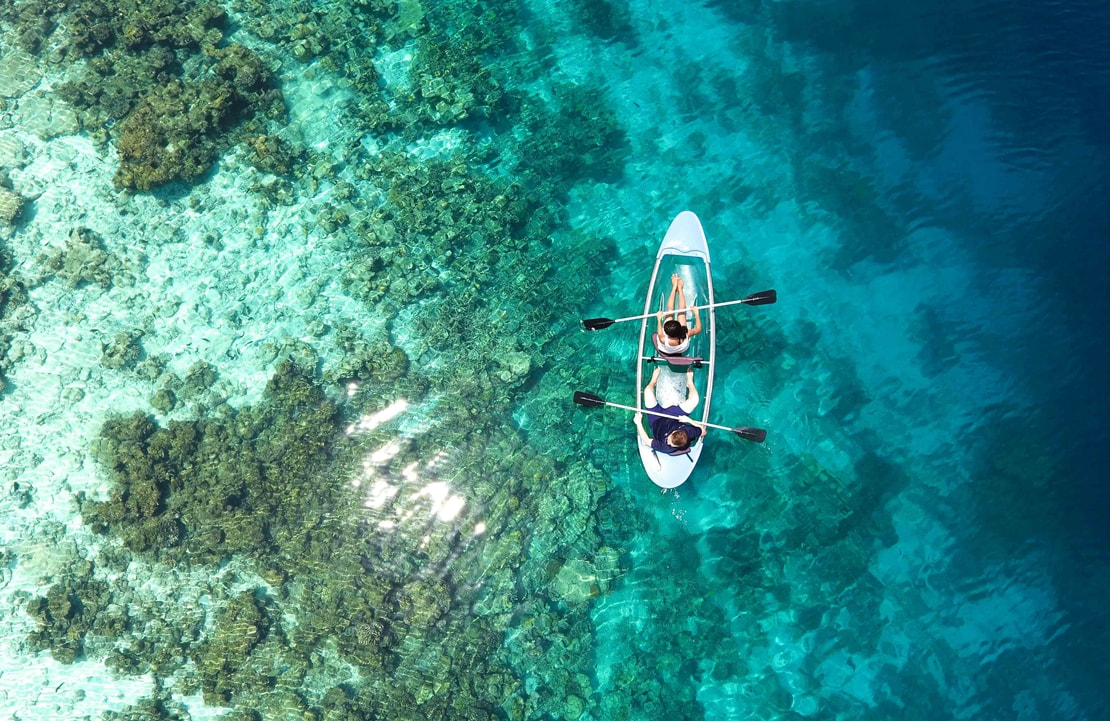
289,319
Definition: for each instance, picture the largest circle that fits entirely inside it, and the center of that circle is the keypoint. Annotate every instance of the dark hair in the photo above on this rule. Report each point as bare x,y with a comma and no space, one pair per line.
675,329
680,438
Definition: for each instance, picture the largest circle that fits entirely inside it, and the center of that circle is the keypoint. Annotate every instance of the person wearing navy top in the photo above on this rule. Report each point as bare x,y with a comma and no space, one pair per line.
676,434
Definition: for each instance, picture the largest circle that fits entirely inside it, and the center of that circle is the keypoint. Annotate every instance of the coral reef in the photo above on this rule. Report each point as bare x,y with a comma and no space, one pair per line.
255,486
124,350
67,612
211,489
200,377
150,709
306,30
157,79
108,87
11,205
273,154
224,662
33,20
377,367
82,260
16,312
164,400
177,131
134,25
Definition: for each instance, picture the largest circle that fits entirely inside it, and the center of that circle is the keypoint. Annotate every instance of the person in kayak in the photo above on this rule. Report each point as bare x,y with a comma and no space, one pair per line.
672,435
672,337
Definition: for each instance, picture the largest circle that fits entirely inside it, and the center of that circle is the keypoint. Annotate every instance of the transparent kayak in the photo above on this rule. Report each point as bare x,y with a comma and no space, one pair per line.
683,251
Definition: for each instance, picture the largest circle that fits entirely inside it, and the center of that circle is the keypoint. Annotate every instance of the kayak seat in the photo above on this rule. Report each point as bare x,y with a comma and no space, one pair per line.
675,361
680,361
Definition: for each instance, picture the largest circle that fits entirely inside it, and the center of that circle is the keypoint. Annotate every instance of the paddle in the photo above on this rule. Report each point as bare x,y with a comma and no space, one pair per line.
764,297
590,400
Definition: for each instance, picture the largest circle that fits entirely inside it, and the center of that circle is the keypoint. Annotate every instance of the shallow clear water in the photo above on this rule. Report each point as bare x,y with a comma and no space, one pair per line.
377,500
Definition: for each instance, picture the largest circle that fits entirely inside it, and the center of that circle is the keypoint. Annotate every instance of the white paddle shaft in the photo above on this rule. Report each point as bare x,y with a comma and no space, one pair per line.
682,310
665,415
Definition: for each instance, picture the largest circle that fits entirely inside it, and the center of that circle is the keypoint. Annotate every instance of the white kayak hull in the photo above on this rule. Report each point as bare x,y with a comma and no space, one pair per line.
684,251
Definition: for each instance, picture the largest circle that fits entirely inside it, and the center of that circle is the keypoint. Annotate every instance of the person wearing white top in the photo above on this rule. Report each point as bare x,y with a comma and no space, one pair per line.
673,336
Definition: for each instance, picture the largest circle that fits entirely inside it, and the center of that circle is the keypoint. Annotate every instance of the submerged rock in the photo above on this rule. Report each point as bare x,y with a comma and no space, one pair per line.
18,73
123,351
11,205
13,153
82,260
573,708
163,400
47,116
576,582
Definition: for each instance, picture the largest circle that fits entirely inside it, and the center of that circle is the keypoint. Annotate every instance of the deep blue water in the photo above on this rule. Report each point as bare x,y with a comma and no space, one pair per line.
948,283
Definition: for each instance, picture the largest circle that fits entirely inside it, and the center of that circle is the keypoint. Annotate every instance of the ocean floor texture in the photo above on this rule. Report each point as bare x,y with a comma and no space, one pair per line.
290,302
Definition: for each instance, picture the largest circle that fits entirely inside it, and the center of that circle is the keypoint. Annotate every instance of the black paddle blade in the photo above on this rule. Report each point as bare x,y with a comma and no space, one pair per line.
597,323
763,297
588,399
756,435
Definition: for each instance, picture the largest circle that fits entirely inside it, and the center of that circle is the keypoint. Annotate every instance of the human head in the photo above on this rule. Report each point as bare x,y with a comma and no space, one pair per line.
674,329
678,439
